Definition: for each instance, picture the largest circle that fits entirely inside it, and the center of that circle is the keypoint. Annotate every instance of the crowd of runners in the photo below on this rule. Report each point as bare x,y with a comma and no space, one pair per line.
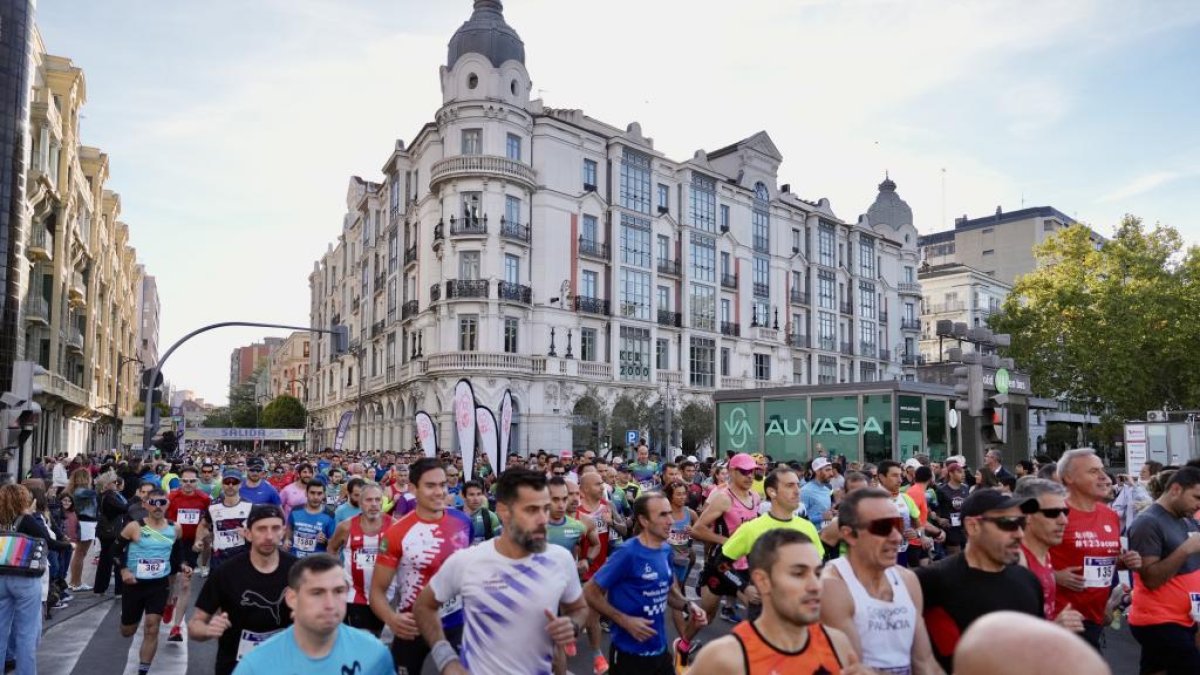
378,562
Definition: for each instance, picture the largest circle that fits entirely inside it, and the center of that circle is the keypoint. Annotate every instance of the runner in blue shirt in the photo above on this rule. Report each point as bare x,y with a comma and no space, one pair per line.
309,529
256,490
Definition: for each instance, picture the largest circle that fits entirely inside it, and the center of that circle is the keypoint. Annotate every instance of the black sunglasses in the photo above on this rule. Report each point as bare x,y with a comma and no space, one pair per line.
882,527
1055,513
156,502
1006,523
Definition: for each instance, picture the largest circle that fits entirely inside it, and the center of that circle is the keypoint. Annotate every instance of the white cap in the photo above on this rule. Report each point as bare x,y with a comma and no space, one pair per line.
820,463
912,463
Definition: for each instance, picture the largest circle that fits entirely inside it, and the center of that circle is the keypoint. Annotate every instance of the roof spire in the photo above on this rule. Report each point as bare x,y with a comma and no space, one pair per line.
888,185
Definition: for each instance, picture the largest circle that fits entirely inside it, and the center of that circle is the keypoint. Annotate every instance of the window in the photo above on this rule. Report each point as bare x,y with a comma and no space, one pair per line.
866,300
701,358
866,336
590,284
826,370
472,141
635,241
663,297
703,309
762,277
664,197
724,217
826,290
510,335
635,181
796,241
589,174
704,202
512,147
512,210
703,250
587,344
866,257
468,333
726,313
468,265
826,245
512,269
590,229
724,361
664,248
909,312
761,310
635,353
762,367
635,294
908,275
662,354
1048,226
867,372
470,209
827,331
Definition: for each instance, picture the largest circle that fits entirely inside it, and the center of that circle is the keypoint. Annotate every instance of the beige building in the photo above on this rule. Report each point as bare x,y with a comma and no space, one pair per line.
956,293
289,366
79,298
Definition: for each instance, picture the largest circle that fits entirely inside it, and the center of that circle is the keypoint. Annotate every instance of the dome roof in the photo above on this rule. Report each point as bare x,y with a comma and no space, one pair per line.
486,33
889,208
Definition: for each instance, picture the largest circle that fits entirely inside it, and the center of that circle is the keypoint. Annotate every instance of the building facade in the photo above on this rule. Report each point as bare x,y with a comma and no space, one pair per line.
79,317
545,252
289,366
243,361
957,293
149,317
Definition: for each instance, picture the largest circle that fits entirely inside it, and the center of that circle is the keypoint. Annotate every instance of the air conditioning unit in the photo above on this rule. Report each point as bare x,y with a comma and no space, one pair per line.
1156,416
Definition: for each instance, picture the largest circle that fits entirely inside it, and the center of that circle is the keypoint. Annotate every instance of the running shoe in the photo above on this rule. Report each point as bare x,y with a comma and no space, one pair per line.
80,587
730,614
59,605
203,572
168,613
176,635
599,665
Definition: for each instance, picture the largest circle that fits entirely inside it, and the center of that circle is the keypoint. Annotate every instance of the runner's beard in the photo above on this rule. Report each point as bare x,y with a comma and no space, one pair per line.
525,539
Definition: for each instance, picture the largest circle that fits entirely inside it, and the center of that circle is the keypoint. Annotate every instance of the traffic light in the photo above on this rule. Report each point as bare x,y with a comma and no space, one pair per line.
154,389
968,388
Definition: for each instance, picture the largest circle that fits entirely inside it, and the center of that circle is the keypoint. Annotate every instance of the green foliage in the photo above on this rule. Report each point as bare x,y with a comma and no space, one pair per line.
696,424
1112,326
630,411
588,421
218,419
284,412
139,409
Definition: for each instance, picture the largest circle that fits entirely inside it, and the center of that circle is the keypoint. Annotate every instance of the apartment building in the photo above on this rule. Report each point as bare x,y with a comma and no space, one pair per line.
243,361
288,370
540,250
957,293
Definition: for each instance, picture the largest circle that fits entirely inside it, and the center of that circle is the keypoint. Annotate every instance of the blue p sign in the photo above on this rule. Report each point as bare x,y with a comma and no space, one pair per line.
631,437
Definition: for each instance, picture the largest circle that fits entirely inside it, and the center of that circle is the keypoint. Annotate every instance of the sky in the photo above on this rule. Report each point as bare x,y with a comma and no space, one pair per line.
233,126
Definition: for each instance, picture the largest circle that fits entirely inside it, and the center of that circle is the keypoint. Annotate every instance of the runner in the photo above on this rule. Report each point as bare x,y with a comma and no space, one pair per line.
241,603
1166,592
226,519
726,509
816,497
294,494
187,506
1089,556
309,528
484,523
683,555
891,478
984,577
514,587
643,471
351,507
145,553
454,488
634,588
567,532
950,498
593,507
411,552
1043,531
868,596
317,642
788,637
357,541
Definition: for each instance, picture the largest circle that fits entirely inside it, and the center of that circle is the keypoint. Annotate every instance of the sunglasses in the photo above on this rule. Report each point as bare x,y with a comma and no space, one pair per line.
560,473
230,481
1055,513
187,480
1006,523
156,502
882,527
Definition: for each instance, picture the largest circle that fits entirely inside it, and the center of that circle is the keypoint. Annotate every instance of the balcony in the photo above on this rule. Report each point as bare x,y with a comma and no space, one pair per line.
477,361
669,377
593,249
947,307
468,226
731,329
670,319
762,244
591,305
828,344
377,329
41,244
594,370
762,290
391,374
910,324
458,289
513,230
482,166
77,291
799,297
37,310
883,316
409,309
410,255
670,267
913,360
514,292
867,349
733,383
75,339
797,341
885,354
847,349
435,293
846,308
729,281
380,282
764,334
909,287
54,384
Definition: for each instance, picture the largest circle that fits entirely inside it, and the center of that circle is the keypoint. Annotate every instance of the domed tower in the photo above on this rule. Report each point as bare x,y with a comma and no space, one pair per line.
889,208
485,60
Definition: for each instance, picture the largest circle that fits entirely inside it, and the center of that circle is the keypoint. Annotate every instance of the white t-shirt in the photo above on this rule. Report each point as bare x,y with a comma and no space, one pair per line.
504,603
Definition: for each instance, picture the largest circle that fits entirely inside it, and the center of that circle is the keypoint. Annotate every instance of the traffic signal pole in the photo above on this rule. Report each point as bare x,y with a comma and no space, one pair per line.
156,369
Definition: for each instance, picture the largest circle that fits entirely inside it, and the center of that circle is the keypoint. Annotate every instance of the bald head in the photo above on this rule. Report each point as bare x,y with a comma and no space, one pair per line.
1010,642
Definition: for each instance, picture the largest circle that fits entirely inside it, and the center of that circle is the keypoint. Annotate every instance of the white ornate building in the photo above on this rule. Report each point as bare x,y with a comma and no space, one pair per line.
540,250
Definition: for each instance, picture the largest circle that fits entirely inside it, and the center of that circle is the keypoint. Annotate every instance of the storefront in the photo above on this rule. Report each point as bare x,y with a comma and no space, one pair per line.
868,421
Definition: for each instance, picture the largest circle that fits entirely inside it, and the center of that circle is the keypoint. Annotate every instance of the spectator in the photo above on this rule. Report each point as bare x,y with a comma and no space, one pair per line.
87,511
20,610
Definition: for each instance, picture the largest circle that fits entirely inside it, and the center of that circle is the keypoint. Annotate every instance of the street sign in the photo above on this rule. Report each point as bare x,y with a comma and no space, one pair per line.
631,437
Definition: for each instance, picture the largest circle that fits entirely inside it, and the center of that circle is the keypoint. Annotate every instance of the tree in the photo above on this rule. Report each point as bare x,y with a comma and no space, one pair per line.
284,412
696,424
218,418
588,422
630,411
139,409
1112,326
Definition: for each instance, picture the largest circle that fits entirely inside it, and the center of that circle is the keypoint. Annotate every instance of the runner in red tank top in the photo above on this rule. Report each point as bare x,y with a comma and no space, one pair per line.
356,542
1043,531
594,508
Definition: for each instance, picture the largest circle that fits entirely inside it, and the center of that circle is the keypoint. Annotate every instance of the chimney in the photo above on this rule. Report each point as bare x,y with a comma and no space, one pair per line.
786,187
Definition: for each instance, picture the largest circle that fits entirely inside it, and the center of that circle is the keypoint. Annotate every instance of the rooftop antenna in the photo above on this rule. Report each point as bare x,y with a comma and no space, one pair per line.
943,197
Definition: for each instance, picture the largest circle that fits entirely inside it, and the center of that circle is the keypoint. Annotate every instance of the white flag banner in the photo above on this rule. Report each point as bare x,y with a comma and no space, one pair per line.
505,430
464,424
426,434
489,439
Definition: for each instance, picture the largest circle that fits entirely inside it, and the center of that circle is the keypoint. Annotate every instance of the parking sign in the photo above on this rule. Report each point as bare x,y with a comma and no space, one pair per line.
631,437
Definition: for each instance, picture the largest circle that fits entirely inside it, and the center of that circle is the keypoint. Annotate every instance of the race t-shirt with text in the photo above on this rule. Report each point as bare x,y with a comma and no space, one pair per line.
1092,542
416,549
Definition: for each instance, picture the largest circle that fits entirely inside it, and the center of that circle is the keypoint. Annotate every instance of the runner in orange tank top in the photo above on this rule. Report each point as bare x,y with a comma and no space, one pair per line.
788,637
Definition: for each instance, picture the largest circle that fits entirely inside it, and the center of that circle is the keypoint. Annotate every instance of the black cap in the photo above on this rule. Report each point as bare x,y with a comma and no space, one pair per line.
263,511
256,464
981,501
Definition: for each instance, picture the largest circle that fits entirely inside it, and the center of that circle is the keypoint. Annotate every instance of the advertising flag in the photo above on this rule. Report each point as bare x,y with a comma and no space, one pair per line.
464,424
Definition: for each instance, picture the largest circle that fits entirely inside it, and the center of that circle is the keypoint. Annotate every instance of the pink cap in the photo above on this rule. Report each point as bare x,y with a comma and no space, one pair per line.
743,461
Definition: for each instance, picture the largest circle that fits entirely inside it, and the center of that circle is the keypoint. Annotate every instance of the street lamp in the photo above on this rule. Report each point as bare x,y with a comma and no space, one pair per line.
117,422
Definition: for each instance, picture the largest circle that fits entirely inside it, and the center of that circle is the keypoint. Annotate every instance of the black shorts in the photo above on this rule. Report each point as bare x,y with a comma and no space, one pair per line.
718,583
410,655
191,557
144,597
361,616
622,663
1168,647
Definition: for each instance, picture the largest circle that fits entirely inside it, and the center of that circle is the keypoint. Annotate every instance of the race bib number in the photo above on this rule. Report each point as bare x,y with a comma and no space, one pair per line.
601,524
250,640
676,538
331,500
1195,599
450,606
189,516
228,539
1098,572
902,547
151,568
303,543
364,560
955,520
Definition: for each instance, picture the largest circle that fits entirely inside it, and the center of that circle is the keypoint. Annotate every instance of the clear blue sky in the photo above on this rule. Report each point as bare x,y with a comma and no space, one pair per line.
233,126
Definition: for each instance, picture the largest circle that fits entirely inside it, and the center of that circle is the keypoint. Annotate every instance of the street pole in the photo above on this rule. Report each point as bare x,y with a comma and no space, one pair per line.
117,422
